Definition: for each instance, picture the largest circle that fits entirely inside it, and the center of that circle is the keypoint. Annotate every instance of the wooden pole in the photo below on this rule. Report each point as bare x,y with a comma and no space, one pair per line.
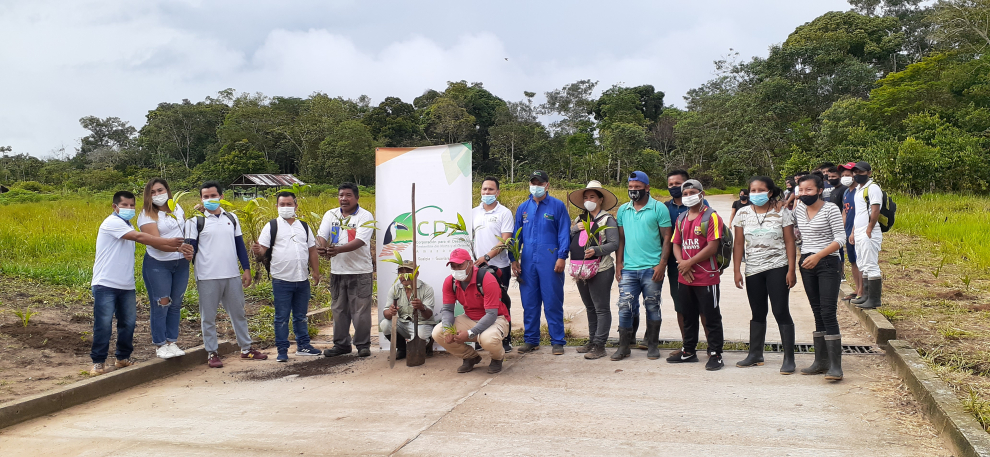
414,236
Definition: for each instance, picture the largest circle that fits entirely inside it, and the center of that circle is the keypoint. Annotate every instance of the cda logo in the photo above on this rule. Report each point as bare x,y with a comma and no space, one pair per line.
429,223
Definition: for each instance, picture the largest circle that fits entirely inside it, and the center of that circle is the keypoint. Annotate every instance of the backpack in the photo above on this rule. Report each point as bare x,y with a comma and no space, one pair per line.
201,223
479,280
723,255
266,260
887,209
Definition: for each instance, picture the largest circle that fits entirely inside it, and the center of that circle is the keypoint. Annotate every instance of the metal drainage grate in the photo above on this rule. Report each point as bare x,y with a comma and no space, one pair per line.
770,347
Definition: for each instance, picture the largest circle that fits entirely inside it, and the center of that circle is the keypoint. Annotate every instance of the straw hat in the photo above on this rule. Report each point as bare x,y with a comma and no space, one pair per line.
608,201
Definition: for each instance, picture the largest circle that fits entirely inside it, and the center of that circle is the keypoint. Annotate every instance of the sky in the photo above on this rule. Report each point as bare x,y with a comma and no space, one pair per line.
63,60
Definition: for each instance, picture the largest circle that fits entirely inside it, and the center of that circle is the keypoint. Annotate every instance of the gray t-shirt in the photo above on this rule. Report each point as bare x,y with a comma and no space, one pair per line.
764,236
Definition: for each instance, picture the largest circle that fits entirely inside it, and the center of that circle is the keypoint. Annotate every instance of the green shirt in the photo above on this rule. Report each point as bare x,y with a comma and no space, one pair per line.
643,244
425,294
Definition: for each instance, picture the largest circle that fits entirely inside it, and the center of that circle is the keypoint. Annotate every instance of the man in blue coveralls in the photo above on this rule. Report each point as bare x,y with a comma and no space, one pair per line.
545,239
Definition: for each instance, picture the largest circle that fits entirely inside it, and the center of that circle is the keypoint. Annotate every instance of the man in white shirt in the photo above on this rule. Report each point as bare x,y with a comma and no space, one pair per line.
219,247
492,224
291,256
113,281
867,236
345,237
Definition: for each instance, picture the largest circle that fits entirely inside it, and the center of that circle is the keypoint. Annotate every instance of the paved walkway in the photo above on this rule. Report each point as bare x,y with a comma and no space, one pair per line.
539,405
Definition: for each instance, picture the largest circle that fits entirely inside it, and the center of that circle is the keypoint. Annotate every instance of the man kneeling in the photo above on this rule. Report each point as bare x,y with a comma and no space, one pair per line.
485,319
403,305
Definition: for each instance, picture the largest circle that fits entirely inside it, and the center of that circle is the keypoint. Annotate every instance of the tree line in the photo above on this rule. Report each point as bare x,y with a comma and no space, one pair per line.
903,84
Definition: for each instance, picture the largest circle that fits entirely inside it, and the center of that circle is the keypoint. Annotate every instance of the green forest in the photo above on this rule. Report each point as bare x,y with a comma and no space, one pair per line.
904,84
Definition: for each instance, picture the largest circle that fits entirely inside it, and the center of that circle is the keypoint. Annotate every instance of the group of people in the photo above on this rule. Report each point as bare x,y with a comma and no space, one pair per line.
777,232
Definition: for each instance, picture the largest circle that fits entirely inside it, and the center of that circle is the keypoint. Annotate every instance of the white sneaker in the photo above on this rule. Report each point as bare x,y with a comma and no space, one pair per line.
163,352
174,349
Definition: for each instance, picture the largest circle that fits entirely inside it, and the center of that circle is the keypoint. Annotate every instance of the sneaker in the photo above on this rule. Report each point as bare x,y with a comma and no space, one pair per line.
469,364
527,348
364,352
123,363
176,352
682,357
309,351
253,354
337,350
213,360
98,369
163,352
558,349
283,356
714,362
507,347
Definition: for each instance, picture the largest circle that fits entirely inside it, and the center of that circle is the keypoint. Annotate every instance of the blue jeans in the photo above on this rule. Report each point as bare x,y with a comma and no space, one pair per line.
291,297
108,302
633,283
165,280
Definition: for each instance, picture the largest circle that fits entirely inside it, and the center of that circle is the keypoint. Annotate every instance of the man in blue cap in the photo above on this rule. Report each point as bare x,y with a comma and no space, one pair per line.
545,241
644,227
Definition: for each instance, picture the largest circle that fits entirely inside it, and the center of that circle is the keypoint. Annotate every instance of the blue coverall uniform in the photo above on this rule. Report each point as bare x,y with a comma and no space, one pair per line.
545,238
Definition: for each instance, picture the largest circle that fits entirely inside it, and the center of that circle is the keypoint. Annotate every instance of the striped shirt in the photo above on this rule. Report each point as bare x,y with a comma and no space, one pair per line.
818,233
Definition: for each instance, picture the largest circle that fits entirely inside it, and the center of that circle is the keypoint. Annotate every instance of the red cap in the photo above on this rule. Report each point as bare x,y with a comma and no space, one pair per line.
459,256
848,166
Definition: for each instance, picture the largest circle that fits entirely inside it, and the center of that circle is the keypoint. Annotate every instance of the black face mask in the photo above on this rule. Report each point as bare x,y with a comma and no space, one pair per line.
637,195
834,182
675,192
861,179
808,200
743,198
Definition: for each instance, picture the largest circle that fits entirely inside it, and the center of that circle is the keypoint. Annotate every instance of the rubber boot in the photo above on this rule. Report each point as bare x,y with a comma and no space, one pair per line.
834,344
652,339
400,346
820,365
757,338
873,289
632,340
625,337
787,341
866,294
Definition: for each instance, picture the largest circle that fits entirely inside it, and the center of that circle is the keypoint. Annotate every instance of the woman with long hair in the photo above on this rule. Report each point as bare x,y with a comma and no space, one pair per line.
592,266
822,234
166,274
764,232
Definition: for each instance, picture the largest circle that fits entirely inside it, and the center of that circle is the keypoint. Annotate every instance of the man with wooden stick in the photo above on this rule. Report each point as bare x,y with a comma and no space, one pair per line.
403,304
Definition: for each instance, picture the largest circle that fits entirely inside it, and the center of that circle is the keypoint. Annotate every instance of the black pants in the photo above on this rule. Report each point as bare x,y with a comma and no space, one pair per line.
504,280
595,293
696,300
822,286
770,284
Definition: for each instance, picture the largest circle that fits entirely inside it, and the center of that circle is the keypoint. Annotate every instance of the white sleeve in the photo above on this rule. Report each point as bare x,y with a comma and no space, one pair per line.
144,219
508,223
116,229
786,217
311,237
237,226
325,224
876,195
364,234
265,237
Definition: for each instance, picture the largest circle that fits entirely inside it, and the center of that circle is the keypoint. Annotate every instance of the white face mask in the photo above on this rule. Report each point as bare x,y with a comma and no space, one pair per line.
459,275
159,199
846,181
590,205
691,200
286,212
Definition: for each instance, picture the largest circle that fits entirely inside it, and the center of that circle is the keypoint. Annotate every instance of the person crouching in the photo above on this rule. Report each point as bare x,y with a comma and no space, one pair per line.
485,319
403,305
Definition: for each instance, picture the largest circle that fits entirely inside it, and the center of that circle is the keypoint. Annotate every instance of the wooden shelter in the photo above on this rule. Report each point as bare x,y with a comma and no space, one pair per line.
252,183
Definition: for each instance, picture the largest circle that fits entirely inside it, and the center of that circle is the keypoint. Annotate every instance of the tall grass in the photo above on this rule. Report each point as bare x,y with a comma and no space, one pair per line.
960,224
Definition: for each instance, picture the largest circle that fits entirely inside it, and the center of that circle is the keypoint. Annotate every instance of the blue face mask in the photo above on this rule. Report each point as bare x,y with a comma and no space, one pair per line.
126,214
211,204
759,199
488,199
537,191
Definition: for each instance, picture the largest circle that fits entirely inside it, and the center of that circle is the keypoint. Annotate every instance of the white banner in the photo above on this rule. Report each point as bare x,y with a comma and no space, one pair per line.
443,190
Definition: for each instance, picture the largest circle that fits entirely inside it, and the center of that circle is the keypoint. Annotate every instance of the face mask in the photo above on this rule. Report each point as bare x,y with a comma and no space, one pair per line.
675,192
537,191
861,179
834,182
759,198
159,199
126,214
743,198
590,205
691,200
808,200
211,204
846,181
488,199
286,212
459,275
636,195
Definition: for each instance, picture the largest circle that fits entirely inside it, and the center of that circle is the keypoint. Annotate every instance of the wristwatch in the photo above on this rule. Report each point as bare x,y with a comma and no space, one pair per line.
470,334
487,257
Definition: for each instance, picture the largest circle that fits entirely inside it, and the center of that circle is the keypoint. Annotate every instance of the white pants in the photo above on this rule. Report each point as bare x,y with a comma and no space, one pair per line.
868,254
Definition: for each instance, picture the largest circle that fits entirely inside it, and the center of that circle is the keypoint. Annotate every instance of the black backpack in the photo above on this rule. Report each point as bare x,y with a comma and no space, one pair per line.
887,209
266,260
201,222
723,255
480,277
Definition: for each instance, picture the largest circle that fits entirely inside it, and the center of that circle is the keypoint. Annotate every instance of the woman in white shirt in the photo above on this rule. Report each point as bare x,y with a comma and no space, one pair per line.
166,274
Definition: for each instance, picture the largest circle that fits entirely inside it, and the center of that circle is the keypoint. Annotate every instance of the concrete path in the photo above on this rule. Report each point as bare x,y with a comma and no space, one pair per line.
539,405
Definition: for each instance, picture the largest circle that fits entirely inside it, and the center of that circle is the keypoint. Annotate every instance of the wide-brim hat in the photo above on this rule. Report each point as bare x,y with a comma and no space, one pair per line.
608,198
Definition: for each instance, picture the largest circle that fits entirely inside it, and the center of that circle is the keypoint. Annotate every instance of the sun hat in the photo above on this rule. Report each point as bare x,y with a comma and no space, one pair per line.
608,198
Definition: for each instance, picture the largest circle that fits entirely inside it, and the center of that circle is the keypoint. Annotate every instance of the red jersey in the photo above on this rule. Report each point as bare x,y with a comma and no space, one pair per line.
692,242
473,302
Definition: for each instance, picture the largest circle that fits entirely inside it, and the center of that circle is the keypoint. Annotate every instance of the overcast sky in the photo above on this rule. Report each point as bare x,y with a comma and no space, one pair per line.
62,60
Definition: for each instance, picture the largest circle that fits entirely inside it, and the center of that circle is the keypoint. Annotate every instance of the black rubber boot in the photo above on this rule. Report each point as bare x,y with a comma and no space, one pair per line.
652,339
757,338
874,287
820,365
787,341
400,348
866,294
834,344
625,337
633,344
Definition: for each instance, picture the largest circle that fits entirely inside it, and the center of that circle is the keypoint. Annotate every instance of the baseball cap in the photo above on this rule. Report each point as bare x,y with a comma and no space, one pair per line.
848,166
459,256
865,166
692,184
540,175
639,176
408,264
